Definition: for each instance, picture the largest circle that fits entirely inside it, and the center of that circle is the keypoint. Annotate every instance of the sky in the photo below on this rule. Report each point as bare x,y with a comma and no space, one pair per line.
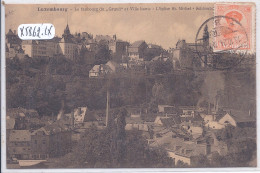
164,28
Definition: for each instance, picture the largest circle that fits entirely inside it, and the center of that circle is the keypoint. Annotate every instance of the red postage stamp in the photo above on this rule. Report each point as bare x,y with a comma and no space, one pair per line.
234,27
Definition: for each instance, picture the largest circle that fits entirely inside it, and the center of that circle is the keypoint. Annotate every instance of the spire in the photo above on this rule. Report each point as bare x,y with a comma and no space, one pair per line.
67,29
67,20
206,36
10,32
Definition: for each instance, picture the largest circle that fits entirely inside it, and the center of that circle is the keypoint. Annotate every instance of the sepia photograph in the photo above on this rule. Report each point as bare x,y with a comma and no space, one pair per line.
141,85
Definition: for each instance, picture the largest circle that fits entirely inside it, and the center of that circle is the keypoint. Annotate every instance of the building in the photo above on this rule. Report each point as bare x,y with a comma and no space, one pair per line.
14,51
79,115
215,121
180,149
136,50
227,119
120,51
25,119
185,56
68,45
97,71
40,144
53,140
195,130
13,39
190,114
100,71
86,54
166,108
41,48
214,144
19,144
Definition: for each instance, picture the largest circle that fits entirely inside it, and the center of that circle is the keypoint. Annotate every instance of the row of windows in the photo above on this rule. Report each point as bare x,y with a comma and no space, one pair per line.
39,156
21,143
24,149
36,142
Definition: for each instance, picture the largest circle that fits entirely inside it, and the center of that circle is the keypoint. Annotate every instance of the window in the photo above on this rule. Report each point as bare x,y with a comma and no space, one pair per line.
43,142
188,151
35,141
43,156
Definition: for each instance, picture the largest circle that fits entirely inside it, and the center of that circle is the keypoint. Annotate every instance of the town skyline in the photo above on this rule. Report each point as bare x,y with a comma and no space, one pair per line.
131,27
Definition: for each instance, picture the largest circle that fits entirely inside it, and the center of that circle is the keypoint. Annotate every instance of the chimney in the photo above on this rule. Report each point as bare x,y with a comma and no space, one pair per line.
209,109
78,111
72,119
107,109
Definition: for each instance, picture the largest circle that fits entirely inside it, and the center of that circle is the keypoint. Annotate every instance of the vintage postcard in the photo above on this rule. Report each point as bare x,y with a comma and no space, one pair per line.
149,85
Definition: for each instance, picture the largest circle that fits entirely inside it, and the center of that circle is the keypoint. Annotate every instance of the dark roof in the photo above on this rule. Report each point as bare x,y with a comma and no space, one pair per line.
197,117
170,121
137,43
67,39
154,46
56,39
238,115
16,112
10,32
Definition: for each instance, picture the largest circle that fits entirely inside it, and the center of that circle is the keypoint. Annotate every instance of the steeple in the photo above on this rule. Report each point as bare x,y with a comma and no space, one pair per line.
206,36
67,30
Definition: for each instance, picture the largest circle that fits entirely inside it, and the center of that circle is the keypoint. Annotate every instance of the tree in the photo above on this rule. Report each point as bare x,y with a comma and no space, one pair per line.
200,161
114,148
102,54
181,164
161,67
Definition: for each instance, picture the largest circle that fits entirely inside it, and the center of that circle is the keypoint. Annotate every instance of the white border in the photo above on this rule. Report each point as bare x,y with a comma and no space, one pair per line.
3,95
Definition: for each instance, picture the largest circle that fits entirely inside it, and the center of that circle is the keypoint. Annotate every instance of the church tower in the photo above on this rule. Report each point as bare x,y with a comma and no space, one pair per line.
68,44
206,36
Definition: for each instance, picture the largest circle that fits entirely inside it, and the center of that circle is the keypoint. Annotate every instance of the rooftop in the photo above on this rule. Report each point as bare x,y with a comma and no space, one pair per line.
137,43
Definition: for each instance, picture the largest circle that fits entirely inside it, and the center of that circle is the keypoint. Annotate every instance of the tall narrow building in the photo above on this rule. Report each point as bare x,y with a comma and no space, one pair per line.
68,44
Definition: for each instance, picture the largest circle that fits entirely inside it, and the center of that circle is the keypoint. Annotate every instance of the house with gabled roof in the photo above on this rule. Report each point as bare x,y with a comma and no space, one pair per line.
233,119
136,50
101,70
53,140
